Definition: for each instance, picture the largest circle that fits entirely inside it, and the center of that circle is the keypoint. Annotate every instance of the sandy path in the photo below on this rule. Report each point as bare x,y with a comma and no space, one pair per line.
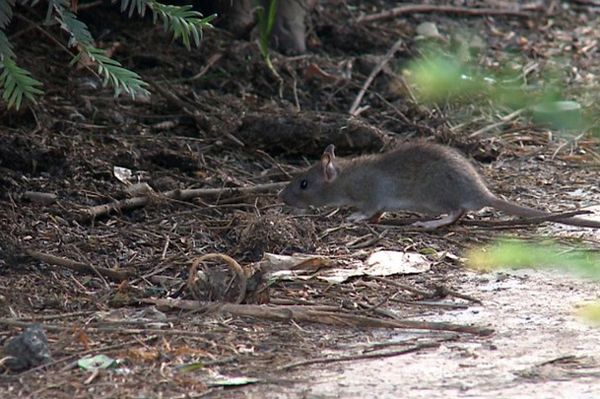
532,313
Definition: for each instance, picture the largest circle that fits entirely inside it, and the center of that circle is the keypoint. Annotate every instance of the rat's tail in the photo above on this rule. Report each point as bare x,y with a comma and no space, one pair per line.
518,210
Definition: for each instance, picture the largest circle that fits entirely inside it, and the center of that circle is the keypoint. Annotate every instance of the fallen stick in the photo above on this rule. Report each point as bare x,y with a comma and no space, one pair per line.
386,58
405,287
371,355
40,197
183,195
301,313
593,3
212,60
115,275
443,291
429,8
91,329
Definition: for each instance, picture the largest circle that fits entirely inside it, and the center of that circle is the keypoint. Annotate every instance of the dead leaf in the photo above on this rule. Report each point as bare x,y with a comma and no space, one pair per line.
273,263
386,263
313,71
428,30
380,264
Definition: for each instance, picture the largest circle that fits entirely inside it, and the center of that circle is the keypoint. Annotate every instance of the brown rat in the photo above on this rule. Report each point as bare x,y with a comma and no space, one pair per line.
421,177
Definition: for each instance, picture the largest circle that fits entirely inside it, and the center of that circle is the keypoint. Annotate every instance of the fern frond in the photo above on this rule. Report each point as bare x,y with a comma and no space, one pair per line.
6,50
29,2
52,6
6,12
17,83
122,79
79,31
185,24
183,21
139,5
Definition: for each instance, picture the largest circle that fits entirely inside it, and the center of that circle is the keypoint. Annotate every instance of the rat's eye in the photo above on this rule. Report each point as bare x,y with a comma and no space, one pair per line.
303,184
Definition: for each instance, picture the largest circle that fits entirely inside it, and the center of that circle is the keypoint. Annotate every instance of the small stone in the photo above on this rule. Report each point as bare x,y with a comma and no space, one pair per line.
28,349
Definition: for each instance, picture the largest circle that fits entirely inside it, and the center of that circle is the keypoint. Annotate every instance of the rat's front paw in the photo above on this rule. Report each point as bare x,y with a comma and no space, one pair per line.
357,217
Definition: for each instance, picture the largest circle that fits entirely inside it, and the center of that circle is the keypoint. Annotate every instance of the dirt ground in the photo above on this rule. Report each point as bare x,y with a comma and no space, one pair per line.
124,283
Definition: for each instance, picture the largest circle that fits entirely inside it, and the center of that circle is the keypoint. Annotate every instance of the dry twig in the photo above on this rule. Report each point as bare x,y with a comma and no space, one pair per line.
386,58
443,9
115,275
182,195
405,287
503,121
39,197
370,355
443,291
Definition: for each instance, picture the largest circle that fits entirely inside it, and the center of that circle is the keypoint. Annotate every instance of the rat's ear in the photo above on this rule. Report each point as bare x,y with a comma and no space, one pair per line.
329,170
329,151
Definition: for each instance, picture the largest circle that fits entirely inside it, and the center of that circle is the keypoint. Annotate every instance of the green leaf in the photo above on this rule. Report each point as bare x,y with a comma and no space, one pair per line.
271,17
265,23
186,368
96,362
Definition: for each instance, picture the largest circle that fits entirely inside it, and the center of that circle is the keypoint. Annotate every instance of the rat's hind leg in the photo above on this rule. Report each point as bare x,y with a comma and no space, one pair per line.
445,221
374,219
368,217
355,217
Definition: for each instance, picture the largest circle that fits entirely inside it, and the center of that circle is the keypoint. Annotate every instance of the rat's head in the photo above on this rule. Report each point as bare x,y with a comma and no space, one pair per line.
314,186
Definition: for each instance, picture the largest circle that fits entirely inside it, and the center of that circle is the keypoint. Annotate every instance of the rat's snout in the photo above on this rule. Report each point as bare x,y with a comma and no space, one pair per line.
287,196
283,195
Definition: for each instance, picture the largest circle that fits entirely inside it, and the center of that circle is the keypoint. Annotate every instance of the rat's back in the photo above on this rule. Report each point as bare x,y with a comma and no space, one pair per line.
436,179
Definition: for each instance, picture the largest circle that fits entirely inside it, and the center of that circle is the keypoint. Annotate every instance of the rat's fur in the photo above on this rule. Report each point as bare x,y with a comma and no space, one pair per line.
421,177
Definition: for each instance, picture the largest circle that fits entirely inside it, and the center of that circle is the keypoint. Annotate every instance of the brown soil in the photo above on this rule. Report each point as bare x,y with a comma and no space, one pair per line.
202,128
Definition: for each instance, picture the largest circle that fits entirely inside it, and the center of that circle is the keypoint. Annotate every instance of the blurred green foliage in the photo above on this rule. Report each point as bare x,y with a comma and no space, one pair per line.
518,254
439,76
591,313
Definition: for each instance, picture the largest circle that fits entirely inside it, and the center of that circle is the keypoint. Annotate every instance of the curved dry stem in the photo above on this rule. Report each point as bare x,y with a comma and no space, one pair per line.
231,263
